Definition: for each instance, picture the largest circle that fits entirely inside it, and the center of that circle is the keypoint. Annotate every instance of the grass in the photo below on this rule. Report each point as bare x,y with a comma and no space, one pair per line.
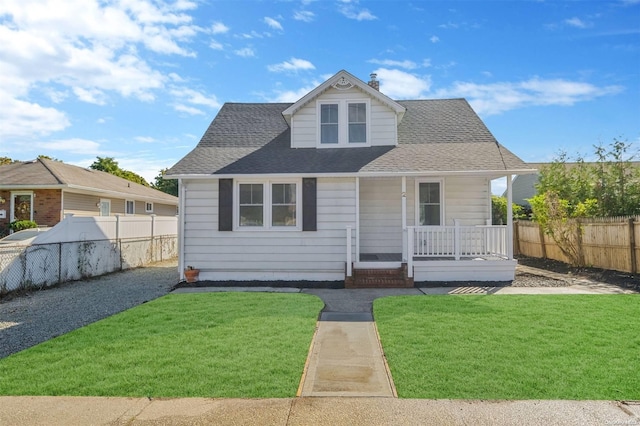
251,345
574,347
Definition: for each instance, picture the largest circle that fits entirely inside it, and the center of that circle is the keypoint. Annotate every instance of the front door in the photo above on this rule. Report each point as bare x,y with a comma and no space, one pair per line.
22,203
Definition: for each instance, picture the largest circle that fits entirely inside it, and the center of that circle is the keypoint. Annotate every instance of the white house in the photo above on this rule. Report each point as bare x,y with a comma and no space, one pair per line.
345,184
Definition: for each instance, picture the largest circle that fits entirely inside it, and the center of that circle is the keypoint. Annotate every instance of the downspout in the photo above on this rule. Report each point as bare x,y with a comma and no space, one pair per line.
181,216
509,219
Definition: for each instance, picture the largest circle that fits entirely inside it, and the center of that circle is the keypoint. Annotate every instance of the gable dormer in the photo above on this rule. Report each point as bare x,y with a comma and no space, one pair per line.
344,112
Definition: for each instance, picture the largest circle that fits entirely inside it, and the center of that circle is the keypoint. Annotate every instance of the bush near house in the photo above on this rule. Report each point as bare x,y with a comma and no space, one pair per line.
19,225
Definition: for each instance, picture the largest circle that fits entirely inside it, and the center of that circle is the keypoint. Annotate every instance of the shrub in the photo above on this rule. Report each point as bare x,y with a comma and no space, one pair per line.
19,225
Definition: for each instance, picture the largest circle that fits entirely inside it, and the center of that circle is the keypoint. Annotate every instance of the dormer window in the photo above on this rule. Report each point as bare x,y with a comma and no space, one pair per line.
343,123
329,123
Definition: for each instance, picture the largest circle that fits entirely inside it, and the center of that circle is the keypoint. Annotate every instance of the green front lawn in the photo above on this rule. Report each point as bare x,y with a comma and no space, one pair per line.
513,347
228,345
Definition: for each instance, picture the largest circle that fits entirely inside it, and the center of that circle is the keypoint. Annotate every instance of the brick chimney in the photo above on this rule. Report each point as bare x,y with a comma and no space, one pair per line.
373,82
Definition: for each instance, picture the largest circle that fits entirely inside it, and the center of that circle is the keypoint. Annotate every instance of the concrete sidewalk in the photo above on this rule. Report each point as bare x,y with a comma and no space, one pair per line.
72,411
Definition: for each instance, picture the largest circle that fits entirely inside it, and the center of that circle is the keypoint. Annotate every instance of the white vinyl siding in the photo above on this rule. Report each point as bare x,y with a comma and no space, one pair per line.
382,126
273,255
86,205
380,215
465,198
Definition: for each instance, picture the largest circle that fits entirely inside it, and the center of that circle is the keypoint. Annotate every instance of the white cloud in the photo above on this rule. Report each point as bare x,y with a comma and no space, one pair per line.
576,22
426,63
144,139
406,64
351,10
87,47
402,85
20,118
272,23
194,97
293,65
293,95
92,96
216,45
304,15
434,39
187,109
219,28
496,98
73,145
245,52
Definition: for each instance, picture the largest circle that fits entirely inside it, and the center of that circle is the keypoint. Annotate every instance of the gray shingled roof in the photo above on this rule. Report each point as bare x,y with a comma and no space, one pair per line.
434,136
56,174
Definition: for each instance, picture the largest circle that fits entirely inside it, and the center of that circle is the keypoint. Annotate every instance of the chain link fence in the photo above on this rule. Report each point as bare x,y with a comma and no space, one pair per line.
43,265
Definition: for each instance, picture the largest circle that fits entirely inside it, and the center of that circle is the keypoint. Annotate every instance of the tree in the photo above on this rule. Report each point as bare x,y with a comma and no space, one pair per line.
169,186
5,160
499,210
110,165
568,192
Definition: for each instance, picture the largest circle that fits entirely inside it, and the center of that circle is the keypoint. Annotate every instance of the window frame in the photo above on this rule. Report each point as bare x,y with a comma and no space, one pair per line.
343,123
148,207
440,182
126,207
267,205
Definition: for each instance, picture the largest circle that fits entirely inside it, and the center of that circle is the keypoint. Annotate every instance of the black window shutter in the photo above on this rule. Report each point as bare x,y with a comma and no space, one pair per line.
225,204
309,205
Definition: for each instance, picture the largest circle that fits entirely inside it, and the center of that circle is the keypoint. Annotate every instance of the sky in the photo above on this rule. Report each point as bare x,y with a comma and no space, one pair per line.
141,80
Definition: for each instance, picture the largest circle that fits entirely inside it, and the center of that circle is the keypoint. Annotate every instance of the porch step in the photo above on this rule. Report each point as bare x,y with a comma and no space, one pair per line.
379,278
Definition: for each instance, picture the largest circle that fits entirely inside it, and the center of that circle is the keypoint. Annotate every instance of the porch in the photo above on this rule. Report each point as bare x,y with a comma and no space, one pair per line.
442,253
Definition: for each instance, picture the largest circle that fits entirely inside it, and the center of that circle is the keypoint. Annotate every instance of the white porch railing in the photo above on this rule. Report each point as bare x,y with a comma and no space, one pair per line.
456,241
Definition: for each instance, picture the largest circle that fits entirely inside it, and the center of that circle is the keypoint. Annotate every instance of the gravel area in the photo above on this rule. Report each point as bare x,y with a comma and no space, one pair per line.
32,318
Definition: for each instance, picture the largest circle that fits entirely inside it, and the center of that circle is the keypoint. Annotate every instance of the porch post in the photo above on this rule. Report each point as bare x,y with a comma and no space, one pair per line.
404,218
409,248
456,238
349,258
357,219
509,219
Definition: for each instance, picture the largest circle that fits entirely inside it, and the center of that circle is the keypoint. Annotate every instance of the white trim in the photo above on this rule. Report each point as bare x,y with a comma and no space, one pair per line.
267,205
493,174
361,85
182,191
12,211
417,201
357,219
343,123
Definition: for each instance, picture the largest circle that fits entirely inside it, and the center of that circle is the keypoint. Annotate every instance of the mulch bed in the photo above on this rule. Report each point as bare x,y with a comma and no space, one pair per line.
620,279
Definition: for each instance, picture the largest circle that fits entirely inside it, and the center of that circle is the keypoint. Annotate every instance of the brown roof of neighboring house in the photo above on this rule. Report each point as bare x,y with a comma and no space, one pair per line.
44,173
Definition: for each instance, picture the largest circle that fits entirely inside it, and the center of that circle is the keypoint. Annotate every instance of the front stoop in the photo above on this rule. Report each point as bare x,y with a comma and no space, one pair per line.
379,278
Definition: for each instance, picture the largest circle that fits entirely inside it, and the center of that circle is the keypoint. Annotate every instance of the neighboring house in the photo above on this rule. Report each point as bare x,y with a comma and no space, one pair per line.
45,191
343,181
524,186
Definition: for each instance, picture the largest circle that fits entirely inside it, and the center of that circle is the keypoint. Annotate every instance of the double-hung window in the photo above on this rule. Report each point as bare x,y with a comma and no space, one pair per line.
251,204
329,123
357,122
268,205
343,123
429,203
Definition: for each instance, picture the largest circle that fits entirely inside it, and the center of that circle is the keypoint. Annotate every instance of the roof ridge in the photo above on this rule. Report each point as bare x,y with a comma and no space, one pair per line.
54,174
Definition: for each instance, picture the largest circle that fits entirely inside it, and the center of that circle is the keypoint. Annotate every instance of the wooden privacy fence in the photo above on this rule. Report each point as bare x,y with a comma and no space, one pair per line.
607,243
